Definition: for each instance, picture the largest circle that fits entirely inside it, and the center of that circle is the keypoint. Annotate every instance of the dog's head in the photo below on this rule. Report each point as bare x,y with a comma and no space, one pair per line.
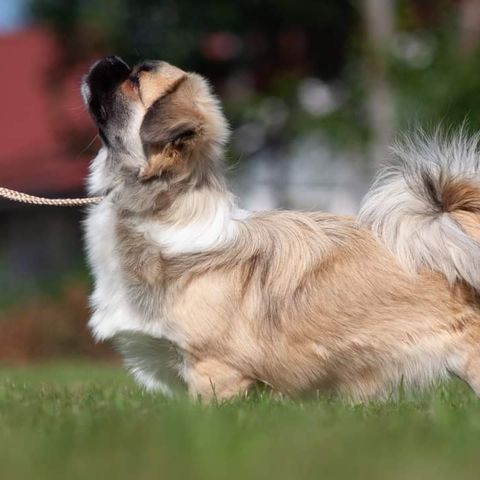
156,122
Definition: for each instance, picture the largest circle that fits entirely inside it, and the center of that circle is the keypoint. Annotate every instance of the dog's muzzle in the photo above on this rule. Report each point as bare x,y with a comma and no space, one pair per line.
99,85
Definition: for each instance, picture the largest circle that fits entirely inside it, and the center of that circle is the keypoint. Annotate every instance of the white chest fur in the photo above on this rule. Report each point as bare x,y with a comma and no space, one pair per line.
146,351
112,313
146,343
213,221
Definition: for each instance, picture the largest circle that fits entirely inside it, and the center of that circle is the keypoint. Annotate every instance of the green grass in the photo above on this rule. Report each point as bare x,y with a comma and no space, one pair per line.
88,422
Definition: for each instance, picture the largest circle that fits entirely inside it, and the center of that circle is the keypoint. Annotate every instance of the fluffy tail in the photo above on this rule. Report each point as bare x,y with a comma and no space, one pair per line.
426,209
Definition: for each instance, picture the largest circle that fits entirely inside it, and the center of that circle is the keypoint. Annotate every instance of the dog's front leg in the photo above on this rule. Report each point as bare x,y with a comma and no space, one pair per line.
212,380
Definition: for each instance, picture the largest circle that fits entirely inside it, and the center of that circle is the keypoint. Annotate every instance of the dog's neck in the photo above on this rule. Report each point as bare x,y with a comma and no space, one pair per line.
163,195
191,218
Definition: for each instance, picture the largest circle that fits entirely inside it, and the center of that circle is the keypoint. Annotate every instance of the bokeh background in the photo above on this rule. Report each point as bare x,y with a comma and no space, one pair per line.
315,91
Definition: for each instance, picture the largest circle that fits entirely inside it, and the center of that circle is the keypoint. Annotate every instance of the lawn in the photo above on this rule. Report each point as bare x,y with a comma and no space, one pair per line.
80,421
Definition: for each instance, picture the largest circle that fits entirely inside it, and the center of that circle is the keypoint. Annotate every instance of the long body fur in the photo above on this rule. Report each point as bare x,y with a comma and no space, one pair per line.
186,282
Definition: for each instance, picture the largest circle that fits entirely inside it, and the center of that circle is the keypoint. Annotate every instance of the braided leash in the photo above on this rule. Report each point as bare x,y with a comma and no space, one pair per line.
58,202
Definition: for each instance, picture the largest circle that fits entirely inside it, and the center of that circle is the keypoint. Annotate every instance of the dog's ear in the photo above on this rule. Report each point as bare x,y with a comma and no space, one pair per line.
169,132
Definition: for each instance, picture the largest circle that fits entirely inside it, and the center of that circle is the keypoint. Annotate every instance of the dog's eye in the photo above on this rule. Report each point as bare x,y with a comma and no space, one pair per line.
146,67
134,81
184,136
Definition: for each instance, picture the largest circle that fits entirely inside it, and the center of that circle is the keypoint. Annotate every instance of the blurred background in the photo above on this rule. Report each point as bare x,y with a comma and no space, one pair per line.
315,91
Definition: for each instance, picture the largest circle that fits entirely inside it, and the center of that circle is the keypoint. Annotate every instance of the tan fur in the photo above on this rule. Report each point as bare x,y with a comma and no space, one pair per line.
463,201
161,159
306,311
460,195
301,302
155,84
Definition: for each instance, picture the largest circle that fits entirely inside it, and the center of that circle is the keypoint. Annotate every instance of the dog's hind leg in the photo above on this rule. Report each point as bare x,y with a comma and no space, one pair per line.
470,372
465,363
213,380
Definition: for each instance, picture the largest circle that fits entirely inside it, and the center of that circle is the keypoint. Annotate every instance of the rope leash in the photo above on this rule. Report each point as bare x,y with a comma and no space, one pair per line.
58,202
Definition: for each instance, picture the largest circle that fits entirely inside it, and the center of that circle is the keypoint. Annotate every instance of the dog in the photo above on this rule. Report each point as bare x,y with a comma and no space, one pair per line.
196,292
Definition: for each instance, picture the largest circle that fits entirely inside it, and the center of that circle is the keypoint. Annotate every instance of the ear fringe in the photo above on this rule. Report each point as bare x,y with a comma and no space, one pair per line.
183,131
167,159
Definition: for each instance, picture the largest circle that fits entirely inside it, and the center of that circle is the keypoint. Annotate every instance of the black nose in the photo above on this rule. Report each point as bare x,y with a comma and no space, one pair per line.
102,81
107,73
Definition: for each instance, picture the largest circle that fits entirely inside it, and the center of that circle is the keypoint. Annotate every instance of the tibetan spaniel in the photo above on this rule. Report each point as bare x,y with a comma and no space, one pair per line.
196,292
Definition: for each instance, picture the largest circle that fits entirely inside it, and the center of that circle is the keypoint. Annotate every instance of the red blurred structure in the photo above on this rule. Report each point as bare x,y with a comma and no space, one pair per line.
44,137
39,118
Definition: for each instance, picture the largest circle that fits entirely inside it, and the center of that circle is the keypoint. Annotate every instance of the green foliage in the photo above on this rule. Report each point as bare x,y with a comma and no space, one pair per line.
446,91
274,43
174,29
75,421
282,42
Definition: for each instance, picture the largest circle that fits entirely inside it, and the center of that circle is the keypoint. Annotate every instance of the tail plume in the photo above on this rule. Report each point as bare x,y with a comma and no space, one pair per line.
426,208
